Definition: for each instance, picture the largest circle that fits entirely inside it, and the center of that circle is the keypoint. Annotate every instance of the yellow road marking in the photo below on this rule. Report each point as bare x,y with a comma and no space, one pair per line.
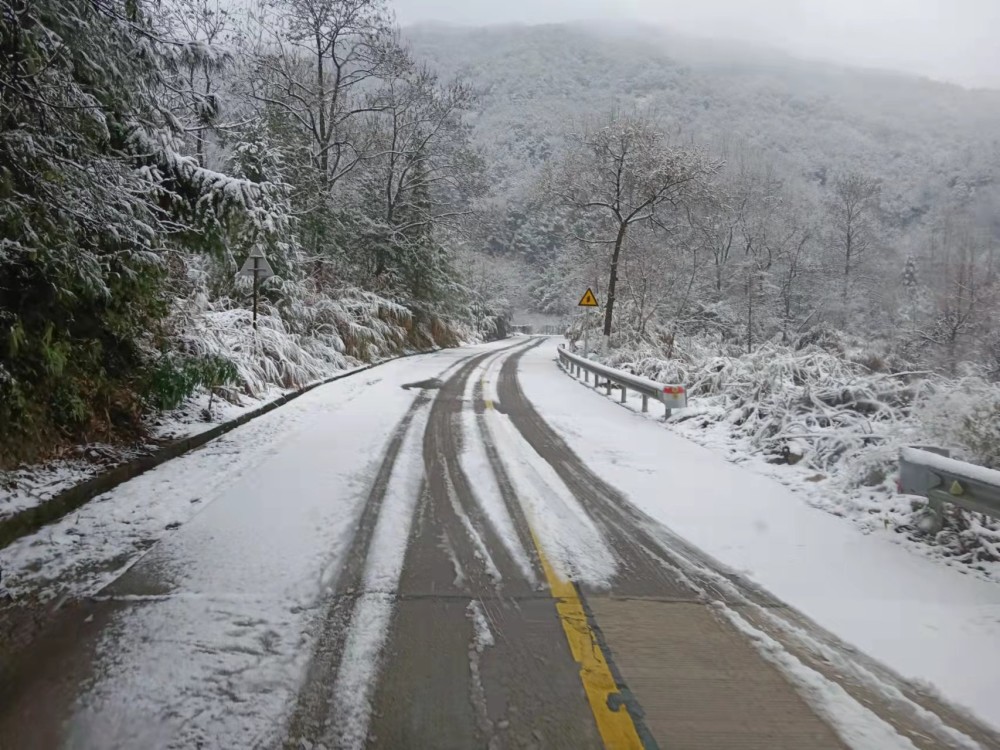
615,724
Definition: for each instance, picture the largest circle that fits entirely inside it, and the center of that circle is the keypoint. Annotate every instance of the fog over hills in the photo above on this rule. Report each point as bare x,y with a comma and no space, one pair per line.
933,144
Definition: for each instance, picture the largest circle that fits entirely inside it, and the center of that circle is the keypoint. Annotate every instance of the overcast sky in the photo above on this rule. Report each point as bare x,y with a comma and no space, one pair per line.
954,40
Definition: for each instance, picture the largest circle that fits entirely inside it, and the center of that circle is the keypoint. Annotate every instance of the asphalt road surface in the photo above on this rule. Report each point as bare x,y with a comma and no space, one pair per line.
477,638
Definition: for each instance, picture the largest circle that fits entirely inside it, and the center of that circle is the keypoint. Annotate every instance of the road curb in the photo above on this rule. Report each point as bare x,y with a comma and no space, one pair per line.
32,519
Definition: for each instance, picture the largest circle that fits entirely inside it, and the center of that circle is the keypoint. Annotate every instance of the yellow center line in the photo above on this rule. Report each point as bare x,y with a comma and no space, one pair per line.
614,724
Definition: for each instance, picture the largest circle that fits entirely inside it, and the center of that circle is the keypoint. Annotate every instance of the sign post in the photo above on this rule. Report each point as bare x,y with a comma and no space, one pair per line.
256,265
588,300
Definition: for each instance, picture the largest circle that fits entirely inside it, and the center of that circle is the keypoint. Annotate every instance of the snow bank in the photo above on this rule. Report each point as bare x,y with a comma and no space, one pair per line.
840,424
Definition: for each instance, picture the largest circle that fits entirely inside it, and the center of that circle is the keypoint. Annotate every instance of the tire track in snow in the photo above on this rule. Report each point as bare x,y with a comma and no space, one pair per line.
484,557
641,571
498,480
833,676
310,717
450,684
334,703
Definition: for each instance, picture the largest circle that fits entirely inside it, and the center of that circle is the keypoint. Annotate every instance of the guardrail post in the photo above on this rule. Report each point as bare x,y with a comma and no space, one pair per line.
935,507
624,392
645,404
586,376
607,383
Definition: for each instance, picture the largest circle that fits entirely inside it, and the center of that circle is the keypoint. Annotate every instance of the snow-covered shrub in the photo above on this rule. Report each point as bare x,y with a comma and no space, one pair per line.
837,417
965,415
302,335
776,395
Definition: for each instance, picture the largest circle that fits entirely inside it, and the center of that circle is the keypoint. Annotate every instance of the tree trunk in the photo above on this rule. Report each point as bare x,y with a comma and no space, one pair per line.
848,253
609,310
788,315
324,157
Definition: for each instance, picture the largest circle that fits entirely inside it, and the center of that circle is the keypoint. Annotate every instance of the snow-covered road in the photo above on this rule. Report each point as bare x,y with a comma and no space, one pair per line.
467,549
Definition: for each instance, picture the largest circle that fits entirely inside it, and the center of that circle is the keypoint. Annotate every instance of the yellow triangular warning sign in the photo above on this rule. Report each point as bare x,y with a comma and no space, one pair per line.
589,300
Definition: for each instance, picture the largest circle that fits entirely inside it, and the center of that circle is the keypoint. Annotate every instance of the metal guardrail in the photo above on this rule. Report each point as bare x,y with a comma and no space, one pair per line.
670,395
932,473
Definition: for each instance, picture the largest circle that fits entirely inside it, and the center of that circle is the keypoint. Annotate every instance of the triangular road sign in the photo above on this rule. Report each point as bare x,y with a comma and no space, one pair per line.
256,265
589,300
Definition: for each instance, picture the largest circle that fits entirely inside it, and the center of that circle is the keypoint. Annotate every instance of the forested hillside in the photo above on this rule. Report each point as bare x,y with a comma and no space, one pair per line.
834,188
147,148
931,143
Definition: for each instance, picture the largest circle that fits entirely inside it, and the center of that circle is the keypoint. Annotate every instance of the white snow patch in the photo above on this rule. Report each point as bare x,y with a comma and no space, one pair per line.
369,627
572,541
931,721
445,545
481,552
857,726
482,634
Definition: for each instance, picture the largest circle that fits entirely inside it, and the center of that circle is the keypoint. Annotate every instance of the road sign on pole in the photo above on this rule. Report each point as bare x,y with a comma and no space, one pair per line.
256,265
589,299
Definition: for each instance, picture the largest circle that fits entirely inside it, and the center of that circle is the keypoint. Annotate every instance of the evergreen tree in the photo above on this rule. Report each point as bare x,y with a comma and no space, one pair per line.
94,195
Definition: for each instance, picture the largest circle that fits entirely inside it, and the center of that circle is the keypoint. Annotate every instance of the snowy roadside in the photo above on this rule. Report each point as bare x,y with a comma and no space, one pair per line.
855,478
88,548
925,620
30,486
216,561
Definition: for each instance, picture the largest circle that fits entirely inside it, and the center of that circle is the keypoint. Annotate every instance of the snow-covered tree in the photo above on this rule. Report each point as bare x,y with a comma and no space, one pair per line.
97,197
626,173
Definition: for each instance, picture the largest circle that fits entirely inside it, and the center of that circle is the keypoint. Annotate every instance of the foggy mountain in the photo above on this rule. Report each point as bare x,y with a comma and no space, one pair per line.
933,144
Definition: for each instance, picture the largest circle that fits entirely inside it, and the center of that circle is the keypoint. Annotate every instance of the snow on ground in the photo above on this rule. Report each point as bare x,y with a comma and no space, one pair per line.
925,620
843,427
88,548
372,616
569,536
859,727
878,510
476,465
33,485
211,634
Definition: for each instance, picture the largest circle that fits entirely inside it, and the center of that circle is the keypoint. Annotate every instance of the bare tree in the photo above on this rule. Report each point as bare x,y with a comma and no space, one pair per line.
626,173
418,148
317,62
854,213
659,274
964,300
792,250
